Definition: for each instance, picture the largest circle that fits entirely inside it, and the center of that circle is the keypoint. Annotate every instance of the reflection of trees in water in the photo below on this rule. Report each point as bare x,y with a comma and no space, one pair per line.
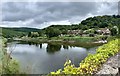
30,43
52,48
65,47
36,45
40,45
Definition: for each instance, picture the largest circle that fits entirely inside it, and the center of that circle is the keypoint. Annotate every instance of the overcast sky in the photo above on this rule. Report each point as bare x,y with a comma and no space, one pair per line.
43,14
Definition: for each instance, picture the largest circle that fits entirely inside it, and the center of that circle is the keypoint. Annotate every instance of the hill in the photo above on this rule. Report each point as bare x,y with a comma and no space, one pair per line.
108,21
92,22
17,32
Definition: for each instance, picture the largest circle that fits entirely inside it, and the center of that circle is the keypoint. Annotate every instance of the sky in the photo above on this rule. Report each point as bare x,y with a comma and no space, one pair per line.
38,14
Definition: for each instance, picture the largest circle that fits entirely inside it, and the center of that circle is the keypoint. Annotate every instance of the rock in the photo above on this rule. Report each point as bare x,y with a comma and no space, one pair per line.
111,67
108,70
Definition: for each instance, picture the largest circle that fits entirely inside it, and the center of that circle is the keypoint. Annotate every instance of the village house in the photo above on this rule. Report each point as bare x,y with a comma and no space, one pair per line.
100,31
103,31
74,32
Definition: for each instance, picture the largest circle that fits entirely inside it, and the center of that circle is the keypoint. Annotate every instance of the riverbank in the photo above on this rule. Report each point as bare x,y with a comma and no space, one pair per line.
111,67
59,39
66,39
7,64
93,62
86,42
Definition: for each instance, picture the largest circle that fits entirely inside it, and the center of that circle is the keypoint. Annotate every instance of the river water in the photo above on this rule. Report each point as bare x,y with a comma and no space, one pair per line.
44,58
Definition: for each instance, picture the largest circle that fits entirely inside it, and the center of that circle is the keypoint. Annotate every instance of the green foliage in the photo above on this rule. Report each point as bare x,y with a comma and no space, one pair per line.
79,39
101,21
53,32
64,32
41,33
7,65
33,34
17,32
114,31
92,22
92,63
7,33
10,67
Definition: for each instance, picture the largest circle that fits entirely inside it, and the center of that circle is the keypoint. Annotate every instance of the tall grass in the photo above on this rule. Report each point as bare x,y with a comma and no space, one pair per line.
7,64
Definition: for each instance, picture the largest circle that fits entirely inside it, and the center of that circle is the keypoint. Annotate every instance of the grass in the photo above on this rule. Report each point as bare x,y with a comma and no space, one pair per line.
86,42
78,39
8,65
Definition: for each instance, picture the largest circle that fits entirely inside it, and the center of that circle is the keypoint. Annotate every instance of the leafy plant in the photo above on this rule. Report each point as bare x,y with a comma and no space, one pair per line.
7,65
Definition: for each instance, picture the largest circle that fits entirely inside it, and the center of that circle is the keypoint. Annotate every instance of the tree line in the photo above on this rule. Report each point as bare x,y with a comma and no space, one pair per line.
96,22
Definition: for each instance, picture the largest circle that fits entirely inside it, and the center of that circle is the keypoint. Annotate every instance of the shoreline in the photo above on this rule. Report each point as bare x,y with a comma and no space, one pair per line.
70,42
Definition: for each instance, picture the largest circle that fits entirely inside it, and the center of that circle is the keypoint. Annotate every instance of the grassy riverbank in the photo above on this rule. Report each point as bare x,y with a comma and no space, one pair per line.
65,38
93,62
7,64
86,42
79,39
75,40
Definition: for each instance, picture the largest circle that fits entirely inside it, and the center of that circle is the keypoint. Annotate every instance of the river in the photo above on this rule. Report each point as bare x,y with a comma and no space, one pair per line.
45,58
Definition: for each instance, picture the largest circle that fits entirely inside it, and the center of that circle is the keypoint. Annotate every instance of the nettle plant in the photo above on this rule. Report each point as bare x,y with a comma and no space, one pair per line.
92,63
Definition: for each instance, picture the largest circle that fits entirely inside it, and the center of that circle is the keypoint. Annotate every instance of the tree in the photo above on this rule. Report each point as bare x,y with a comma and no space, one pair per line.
52,32
41,33
113,31
64,31
29,34
85,27
84,22
103,25
33,34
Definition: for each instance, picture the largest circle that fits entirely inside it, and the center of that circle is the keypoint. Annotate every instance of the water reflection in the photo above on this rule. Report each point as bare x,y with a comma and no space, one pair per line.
65,47
51,48
47,57
40,46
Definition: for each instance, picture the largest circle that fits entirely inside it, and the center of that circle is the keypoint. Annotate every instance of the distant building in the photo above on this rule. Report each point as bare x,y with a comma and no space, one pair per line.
74,32
103,31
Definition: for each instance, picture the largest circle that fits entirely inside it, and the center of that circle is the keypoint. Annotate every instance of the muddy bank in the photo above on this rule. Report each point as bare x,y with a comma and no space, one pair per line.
111,67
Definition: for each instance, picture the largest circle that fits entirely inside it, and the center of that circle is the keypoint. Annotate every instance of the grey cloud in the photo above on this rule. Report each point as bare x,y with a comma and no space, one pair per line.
43,12
14,11
56,10
62,11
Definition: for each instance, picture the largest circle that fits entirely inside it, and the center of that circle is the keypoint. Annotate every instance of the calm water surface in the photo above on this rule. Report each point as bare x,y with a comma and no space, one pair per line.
44,58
